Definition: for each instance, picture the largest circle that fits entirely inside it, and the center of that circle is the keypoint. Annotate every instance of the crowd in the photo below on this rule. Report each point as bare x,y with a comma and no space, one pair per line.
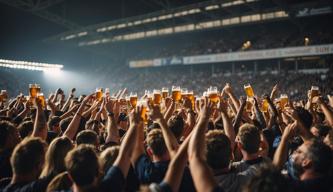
266,36
222,142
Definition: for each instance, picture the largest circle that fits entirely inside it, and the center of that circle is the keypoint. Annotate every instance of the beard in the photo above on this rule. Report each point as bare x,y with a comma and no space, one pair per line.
295,170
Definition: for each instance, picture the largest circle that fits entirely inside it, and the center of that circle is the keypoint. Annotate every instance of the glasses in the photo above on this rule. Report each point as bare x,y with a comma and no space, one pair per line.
213,94
41,97
283,100
264,107
99,93
133,98
144,115
314,91
33,90
248,90
184,93
165,92
176,93
157,97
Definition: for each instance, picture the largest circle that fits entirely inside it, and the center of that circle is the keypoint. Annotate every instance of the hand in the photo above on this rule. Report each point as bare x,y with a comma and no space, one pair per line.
274,90
135,115
187,103
291,113
290,131
109,105
154,112
72,93
227,89
206,108
223,105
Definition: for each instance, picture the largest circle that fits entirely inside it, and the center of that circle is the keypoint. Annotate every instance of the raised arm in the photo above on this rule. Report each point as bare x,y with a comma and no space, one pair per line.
227,126
260,118
201,174
281,153
239,115
111,126
75,123
127,146
228,90
326,110
170,139
174,174
40,126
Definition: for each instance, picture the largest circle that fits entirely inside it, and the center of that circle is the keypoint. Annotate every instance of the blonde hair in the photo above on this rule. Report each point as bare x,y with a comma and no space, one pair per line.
55,156
108,157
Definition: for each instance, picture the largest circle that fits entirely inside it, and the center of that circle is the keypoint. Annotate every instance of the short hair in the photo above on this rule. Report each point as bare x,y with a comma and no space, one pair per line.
304,116
28,155
108,157
176,124
218,149
267,179
55,120
321,156
6,128
87,137
64,123
249,137
156,142
82,165
25,128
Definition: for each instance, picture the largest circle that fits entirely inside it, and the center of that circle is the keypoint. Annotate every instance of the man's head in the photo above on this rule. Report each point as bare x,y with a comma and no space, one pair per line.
312,156
176,124
267,179
82,166
156,143
54,124
25,128
249,138
218,153
64,123
9,135
87,137
304,116
320,130
28,157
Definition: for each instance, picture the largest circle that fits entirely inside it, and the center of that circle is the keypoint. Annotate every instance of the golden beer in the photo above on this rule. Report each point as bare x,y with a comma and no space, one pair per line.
265,105
248,90
157,98
314,91
99,94
283,100
176,95
133,100
42,99
33,90
213,97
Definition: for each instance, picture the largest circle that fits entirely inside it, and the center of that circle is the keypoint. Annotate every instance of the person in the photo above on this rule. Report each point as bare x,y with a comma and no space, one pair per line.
27,162
54,158
249,142
9,138
202,176
83,167
267,179
309,165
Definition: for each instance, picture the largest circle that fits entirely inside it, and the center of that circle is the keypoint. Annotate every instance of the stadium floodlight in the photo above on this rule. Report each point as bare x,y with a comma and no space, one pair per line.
35,66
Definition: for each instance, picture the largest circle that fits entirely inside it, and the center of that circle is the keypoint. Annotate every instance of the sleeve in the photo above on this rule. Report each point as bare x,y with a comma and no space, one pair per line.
141,166
114,179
